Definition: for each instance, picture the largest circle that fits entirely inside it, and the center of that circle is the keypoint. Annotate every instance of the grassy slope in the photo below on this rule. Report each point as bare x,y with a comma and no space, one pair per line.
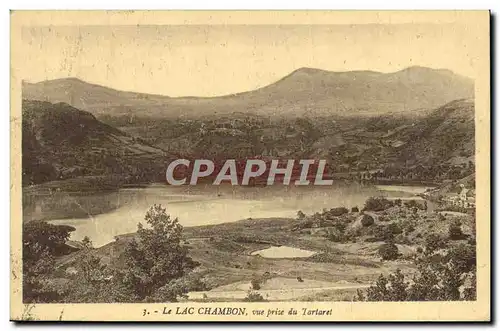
62,142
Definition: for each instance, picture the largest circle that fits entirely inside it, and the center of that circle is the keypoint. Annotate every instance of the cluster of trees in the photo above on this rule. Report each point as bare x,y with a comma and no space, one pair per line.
445,272
434,172
42,243
378,204
154,266
328,217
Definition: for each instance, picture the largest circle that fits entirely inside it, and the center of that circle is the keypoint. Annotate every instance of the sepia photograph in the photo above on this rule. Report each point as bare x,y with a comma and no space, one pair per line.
250,166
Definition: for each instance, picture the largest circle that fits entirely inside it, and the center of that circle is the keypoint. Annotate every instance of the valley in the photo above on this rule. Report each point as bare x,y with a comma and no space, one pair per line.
399,148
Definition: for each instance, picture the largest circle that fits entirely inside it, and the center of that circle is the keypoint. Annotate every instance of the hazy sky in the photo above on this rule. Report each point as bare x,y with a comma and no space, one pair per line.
208,60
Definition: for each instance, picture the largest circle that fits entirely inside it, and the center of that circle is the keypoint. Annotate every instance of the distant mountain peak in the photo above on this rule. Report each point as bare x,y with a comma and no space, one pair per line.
308,70
427,70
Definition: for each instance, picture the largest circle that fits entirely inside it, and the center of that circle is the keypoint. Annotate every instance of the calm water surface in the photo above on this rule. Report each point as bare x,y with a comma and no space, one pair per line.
102,216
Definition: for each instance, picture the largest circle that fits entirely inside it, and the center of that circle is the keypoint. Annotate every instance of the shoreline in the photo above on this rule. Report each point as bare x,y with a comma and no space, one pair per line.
70,220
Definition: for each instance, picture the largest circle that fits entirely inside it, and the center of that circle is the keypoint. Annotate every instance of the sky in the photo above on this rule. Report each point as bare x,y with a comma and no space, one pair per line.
211,60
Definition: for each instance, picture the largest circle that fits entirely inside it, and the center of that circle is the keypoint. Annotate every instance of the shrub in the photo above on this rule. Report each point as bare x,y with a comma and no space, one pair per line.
354,209
367,220
384,219
409,228
338,234
394,228
388,251
255,284
339,211
455,231
410,204
377,204
401,239
325,223
433,242
434,280
254,297
382,232
304,224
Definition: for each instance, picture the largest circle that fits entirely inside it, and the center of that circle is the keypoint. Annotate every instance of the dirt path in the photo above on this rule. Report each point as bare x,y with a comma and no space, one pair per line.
286,294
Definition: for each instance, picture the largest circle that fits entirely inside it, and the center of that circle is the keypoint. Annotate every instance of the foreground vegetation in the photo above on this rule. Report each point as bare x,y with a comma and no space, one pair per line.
405,251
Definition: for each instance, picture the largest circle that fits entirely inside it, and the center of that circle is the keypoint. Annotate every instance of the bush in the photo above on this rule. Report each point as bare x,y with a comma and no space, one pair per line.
448,276
303,224
388,251
338,234
367,220
255,284
354,209
394,228
377,204
409,229
382,232
410,204
254,297
384,219
334,212
433,242
455,231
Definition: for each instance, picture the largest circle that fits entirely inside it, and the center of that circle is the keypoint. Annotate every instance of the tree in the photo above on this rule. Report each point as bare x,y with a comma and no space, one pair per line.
41,243
86,242
367,220
300,215
382,232
36,269
49,236
334,212
253,296
440,277
377,204
391,288
255,284
156,260
394,228
433,242
94,281
388,251
455,231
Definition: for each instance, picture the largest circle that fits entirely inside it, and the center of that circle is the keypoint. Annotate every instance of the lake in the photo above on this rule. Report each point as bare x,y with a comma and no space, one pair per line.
103,215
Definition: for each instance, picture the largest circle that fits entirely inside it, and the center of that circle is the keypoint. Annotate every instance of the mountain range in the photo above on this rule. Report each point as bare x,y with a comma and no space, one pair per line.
305,91
417,118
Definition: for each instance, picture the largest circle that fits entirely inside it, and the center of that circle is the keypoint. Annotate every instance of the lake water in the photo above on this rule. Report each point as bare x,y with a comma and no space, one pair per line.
104,215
